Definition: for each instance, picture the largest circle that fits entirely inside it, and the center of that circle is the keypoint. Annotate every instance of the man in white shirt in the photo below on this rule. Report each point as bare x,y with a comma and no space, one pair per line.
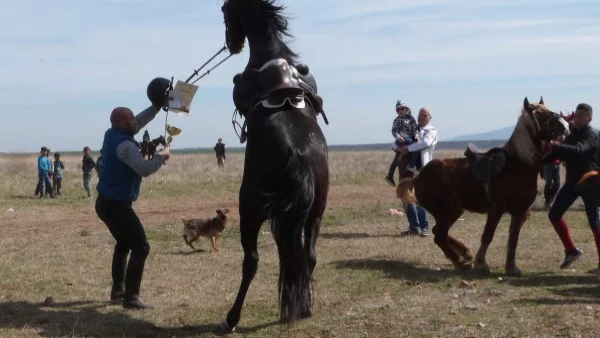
417,217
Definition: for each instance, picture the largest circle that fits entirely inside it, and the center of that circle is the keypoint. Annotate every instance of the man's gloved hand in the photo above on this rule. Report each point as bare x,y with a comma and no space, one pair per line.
164,153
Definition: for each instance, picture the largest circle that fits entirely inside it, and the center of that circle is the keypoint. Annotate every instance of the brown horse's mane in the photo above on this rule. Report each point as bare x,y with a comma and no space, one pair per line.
522,142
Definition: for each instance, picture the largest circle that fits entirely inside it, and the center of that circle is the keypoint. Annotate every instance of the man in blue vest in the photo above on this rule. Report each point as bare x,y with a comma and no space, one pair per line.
121,174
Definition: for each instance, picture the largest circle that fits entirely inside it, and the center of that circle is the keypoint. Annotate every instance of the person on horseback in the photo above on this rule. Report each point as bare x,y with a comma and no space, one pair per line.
404,131
580,153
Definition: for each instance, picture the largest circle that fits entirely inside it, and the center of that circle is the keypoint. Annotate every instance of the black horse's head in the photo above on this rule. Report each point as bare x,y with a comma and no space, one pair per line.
235,34
252,19
548,124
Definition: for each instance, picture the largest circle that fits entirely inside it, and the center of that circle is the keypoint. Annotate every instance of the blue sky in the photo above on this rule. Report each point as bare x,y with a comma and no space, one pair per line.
66,64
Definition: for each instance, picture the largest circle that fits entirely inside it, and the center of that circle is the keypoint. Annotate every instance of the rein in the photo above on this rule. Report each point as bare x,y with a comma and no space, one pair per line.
194,74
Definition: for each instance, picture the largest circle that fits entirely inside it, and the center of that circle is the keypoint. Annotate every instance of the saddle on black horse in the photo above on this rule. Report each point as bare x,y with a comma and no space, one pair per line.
485,165
274,85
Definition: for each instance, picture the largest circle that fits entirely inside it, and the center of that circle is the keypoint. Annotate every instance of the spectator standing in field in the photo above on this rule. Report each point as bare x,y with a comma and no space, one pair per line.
57,178
88,164
220,152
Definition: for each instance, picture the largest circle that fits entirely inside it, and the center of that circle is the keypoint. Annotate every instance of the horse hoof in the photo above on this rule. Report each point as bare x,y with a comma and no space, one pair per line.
513,272
483,268
464,266
224,328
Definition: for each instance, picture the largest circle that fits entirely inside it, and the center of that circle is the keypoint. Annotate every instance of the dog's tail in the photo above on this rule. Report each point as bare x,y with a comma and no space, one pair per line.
405,190
288,211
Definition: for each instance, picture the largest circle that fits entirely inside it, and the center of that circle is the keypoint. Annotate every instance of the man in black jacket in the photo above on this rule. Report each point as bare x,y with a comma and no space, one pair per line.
580,152
220,151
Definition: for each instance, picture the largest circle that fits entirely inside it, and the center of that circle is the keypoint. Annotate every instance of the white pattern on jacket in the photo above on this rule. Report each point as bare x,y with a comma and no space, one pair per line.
426,144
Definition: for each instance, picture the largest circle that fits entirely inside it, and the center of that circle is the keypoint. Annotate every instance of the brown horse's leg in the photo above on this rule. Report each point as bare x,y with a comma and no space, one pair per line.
465,254
516,221
493,218
450,245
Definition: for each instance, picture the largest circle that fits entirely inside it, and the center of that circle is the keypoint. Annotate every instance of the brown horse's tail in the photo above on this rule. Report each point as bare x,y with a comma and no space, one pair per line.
405,190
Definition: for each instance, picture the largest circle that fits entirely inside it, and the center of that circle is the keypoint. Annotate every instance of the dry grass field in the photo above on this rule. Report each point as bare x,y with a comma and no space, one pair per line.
369,282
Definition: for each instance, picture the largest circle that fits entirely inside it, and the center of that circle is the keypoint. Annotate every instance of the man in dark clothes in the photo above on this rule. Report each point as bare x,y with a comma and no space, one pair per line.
580,152
87,165
220,151
120,177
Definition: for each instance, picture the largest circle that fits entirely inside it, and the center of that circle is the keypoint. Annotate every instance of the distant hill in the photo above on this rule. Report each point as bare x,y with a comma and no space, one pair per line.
498,134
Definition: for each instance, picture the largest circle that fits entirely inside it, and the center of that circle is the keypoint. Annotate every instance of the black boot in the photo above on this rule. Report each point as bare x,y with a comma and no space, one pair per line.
119,263
133,281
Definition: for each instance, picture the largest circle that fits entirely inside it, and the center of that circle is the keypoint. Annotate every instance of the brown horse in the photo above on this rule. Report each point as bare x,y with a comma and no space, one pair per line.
446,188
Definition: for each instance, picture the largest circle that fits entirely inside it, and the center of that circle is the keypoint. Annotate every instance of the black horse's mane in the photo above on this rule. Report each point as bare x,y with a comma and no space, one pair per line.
269,14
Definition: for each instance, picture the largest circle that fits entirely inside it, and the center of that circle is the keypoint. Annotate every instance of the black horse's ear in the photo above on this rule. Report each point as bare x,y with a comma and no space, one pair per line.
541,100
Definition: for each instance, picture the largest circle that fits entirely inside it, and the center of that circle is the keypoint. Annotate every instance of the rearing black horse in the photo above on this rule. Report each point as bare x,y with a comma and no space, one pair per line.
286,175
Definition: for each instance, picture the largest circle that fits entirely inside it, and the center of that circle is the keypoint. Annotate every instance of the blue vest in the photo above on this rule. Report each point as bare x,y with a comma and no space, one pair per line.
117,180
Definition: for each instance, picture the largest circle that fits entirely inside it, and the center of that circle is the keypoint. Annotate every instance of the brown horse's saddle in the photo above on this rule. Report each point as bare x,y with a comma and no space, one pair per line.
274,85
589,187
485,165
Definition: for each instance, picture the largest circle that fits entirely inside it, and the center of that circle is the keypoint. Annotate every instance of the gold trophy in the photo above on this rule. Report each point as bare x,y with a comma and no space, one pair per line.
172,131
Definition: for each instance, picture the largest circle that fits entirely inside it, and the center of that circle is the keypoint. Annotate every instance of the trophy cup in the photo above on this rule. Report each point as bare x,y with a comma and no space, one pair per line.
172,131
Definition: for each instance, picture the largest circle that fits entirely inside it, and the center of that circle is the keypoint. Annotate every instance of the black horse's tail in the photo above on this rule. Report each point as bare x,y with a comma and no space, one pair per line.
288,210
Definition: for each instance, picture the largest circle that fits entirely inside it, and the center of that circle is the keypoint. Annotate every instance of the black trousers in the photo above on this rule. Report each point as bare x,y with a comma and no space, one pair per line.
127,230
552,178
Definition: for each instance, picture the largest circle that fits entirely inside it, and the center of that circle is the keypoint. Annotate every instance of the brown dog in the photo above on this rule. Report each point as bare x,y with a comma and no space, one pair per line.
206,227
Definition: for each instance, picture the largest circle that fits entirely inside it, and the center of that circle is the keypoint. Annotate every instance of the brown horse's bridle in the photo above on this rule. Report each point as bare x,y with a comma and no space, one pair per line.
553,116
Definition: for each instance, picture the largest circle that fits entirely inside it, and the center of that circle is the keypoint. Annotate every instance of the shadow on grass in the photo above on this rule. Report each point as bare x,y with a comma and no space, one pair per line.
24,197
568,290
352,235
566,296
85,318
555,301
551,280
398,269
185,253
254,329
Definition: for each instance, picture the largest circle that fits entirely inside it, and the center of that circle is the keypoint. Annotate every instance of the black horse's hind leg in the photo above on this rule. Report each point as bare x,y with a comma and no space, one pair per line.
249,229
311,233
